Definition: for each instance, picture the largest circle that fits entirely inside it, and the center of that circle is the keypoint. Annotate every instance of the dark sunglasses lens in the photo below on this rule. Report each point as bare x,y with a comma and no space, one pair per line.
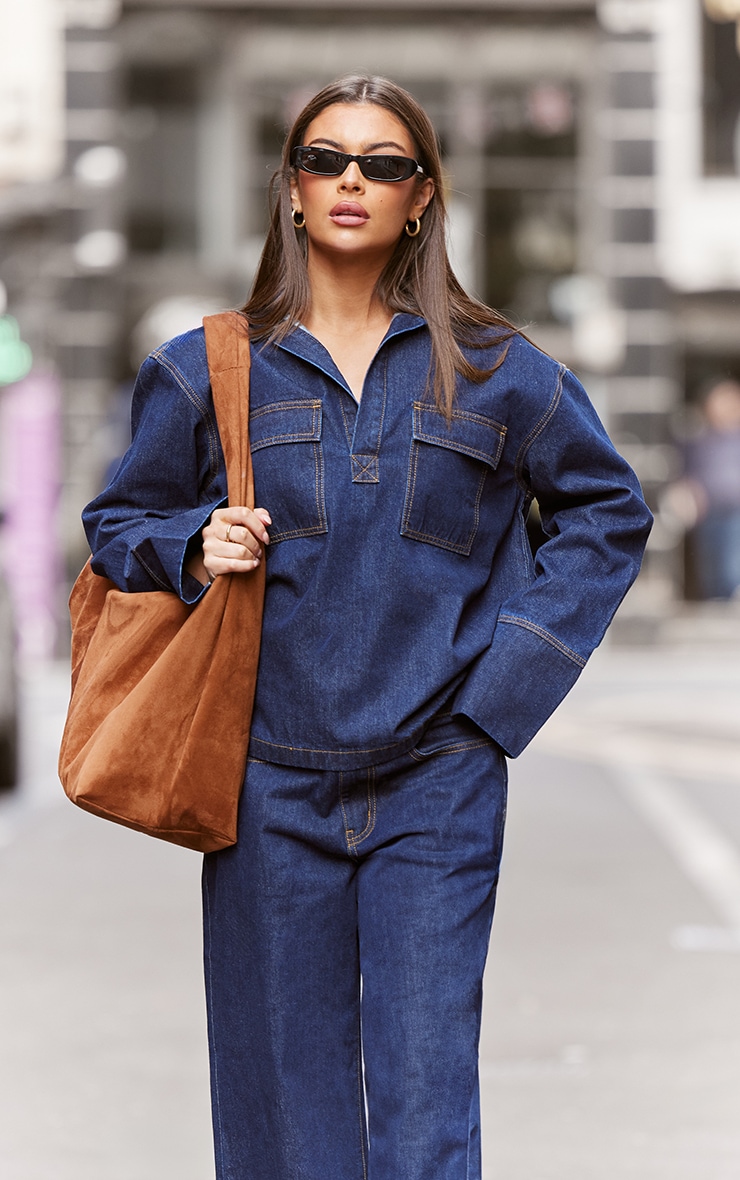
388,167
322,162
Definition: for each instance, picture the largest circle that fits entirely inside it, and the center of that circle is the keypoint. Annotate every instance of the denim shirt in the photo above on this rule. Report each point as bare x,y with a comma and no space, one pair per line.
400,581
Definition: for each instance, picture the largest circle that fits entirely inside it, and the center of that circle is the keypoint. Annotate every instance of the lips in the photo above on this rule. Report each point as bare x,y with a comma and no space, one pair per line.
348,213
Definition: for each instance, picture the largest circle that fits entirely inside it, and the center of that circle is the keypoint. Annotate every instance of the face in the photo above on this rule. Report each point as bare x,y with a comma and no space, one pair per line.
350,214
722,407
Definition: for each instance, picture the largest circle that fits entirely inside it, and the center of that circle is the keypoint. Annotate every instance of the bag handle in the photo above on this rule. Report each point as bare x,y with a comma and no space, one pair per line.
227,348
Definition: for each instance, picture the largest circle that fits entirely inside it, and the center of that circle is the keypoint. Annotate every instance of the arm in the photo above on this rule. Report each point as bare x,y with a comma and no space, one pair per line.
161,524
597,524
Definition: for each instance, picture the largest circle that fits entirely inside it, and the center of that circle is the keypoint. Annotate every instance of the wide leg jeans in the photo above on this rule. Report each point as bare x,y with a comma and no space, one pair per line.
345,940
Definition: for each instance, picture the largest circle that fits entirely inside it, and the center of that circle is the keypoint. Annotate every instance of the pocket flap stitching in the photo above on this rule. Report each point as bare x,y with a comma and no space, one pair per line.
471,434
285,422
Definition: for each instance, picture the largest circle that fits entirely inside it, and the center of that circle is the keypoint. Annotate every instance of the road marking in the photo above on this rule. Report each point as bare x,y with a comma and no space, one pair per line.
702,852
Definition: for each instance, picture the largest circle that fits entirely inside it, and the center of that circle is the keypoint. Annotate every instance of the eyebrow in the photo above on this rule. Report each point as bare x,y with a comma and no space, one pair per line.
370,147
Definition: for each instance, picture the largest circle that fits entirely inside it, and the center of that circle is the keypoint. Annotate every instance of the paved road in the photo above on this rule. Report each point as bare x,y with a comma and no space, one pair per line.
611,1044
611,1041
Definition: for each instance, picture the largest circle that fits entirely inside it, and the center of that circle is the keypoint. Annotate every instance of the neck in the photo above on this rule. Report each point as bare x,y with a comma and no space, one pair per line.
343,295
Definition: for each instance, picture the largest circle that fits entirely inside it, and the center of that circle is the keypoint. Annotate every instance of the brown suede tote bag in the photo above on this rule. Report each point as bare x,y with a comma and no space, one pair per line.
158,723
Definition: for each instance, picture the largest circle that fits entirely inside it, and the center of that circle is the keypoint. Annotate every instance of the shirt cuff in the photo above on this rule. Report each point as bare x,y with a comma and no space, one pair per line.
153,555
516,684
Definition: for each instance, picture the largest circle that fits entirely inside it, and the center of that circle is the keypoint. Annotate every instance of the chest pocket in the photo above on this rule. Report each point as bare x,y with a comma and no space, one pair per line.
285,438
448,466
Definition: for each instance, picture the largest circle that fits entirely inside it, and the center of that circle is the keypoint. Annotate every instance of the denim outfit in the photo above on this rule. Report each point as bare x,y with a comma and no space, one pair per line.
409,641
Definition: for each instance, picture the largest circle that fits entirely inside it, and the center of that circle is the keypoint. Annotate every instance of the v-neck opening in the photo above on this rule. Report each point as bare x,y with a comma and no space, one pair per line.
332,370
345,383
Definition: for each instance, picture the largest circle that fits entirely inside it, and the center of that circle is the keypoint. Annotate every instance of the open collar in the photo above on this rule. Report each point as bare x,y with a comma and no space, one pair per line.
302,344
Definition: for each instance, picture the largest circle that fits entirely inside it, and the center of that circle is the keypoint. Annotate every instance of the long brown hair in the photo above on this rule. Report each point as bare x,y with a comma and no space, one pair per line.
418,277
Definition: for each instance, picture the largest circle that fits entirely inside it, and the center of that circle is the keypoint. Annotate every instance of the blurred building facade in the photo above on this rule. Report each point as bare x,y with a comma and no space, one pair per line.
593,149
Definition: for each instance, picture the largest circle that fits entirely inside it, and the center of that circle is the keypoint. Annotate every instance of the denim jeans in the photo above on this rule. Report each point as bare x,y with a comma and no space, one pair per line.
345,940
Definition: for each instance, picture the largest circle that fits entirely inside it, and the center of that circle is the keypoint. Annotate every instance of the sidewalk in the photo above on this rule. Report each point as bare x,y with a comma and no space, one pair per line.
104,1063
611,1038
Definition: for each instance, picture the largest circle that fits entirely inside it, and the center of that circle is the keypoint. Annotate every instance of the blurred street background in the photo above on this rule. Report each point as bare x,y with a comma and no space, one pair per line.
593,155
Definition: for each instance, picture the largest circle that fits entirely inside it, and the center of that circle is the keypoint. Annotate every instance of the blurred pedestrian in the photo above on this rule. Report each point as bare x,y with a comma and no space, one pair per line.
713,476
399,431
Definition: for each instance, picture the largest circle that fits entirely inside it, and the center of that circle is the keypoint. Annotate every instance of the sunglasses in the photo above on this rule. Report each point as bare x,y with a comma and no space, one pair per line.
326,162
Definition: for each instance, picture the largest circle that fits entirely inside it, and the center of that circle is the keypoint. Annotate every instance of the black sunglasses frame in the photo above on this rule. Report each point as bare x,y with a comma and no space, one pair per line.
297,159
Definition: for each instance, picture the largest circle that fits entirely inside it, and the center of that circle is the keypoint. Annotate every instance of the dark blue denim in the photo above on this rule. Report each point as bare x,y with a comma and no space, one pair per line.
409,640
385,875
399,576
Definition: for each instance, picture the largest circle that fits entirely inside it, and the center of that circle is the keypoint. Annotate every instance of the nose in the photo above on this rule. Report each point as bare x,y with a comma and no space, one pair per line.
352,178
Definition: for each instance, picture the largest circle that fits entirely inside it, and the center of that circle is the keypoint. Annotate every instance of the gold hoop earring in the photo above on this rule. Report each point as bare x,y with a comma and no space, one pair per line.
417,226
295,214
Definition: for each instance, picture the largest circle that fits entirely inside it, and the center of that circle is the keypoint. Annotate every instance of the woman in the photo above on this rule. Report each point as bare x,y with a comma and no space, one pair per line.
712,480
399,432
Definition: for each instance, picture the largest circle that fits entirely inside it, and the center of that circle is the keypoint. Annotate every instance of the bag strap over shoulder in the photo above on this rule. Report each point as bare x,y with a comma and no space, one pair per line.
227,347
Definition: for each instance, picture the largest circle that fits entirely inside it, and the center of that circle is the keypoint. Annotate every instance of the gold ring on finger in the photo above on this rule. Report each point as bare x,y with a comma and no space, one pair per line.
228,532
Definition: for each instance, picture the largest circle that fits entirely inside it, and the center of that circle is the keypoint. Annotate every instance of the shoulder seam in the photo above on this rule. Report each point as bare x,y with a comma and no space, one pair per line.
539,427
198,404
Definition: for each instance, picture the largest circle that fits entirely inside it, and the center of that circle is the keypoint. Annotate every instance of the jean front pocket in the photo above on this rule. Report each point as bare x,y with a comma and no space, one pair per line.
448,734
285,439
448,466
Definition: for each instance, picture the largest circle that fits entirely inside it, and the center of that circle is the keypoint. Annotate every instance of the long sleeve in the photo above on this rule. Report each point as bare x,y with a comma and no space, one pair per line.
143,527
596,524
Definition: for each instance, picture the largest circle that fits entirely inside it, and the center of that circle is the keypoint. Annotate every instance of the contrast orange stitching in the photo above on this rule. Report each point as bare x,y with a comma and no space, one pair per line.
310,435
313,530
305,403
431,539
371,810
344,813
453,444
365,465
319,482
462,415
273,440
